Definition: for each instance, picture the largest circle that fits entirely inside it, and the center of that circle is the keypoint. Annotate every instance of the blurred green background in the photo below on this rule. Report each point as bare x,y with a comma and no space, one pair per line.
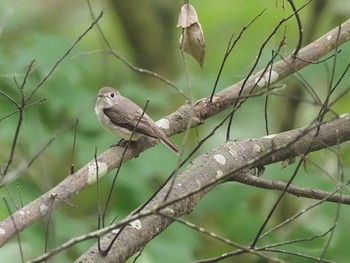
145,34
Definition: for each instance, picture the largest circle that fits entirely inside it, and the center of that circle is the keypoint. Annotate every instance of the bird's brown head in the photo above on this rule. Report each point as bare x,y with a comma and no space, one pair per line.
107,97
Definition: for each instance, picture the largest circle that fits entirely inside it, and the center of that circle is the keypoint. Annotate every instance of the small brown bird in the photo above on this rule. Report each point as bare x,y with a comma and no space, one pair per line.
120,115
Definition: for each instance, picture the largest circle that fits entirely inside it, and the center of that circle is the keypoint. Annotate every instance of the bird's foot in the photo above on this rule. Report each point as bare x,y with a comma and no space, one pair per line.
125,143
122,143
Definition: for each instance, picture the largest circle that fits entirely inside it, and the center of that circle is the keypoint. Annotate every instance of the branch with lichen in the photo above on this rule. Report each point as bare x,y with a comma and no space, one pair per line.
177,122
229,161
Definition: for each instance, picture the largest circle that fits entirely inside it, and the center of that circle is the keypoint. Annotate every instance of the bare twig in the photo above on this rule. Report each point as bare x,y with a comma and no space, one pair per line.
179,119
296,254
24,167
47,231
261,76
26,106
20,107
127,63
73,148
229,49
58,62
219,238
300,27
105,252
180,199
14,224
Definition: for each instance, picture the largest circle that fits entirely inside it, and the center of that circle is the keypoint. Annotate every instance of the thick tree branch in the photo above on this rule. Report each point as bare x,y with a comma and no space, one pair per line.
249,178
280,70
225,162
174,123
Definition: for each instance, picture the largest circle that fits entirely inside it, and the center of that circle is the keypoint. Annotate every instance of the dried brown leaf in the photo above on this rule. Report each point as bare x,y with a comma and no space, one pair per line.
192,42
187,16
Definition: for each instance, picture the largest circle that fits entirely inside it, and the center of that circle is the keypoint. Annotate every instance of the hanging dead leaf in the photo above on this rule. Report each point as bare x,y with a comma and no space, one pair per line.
192,42
187,16
192,37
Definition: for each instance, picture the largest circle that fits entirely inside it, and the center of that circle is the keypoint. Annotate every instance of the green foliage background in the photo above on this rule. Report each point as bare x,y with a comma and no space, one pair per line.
44,30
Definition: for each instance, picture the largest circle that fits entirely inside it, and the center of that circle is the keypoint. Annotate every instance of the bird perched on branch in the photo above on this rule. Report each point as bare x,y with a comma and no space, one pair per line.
124,118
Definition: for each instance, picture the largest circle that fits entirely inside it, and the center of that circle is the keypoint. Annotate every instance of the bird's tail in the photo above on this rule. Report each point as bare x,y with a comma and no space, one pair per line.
170,144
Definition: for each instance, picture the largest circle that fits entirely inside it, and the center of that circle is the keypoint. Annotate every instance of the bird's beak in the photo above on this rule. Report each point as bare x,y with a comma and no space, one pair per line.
100,95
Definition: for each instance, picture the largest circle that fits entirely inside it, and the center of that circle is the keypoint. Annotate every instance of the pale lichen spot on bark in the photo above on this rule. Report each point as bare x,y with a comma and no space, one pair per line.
179,185
257,148
232,151
220,158
271,136
260,81
168,211
2,231
92,171
345,115
216,99
271,76
163,123
43,209
21,213
329,37
136,224
219,174
115,231
199,184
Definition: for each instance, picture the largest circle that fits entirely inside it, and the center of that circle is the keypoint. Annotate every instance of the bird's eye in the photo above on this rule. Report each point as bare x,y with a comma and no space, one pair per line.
112,94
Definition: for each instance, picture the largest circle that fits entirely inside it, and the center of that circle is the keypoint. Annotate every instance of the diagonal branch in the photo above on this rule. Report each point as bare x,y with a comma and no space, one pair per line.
205,109
174,123
203,174
228,161
250,179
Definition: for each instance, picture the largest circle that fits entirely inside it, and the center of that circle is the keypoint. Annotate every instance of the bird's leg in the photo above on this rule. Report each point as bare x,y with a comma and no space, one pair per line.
122,143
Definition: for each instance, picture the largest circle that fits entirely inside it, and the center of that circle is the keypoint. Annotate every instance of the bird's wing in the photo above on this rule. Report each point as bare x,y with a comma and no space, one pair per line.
131,118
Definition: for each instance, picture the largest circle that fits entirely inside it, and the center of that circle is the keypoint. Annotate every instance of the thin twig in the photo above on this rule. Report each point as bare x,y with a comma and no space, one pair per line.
127,63
20,107
73,148
262,47
99,210
300,28
58,62
47,231
14,174
105,252
15,226
229,49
